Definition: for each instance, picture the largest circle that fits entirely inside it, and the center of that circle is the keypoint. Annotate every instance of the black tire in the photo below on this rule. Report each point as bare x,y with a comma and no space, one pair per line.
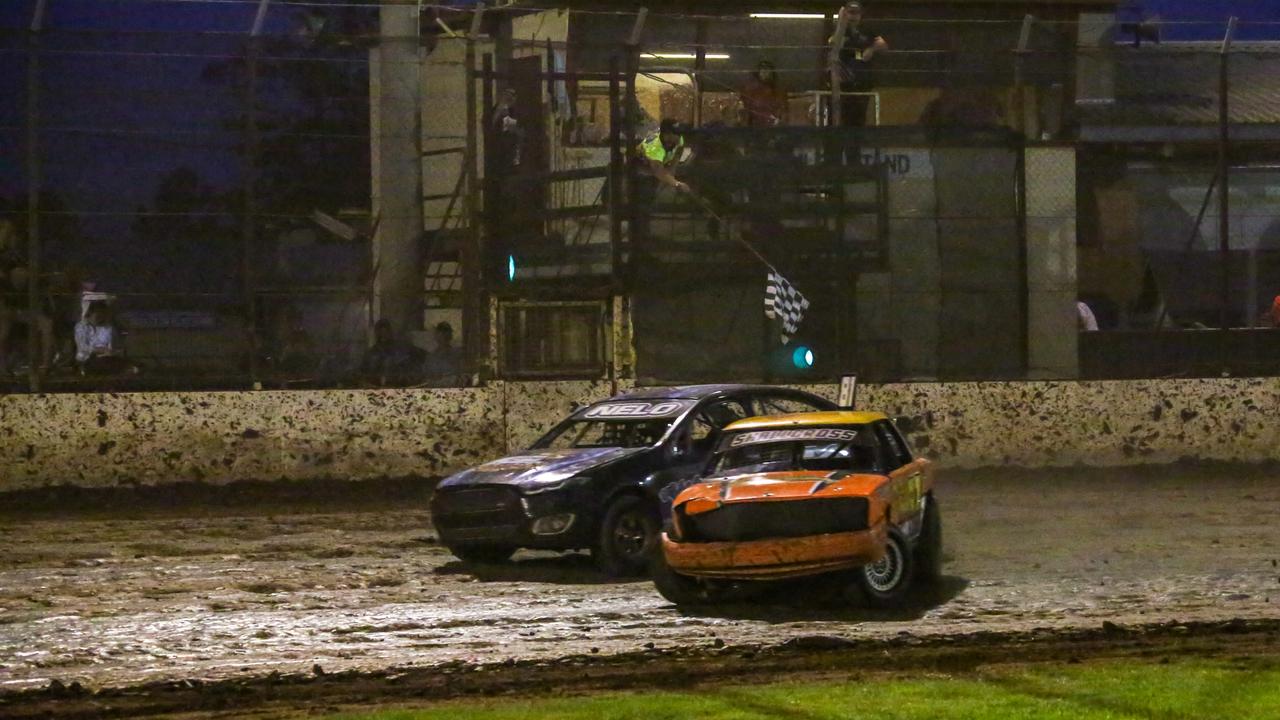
677,588
928,550
628,537
482,554
886,583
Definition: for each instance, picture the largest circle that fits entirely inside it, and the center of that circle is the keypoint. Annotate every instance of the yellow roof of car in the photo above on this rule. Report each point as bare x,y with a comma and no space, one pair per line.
831,417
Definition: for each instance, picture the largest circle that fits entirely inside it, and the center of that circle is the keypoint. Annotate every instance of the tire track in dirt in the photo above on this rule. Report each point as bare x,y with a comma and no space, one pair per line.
120,599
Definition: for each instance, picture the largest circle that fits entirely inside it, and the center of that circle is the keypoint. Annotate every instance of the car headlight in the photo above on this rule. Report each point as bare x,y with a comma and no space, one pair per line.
553,484
552,524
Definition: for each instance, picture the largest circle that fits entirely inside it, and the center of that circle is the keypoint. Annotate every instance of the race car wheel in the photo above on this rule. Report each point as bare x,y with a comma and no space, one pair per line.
677,588
628,535
482,554
886,583
928,550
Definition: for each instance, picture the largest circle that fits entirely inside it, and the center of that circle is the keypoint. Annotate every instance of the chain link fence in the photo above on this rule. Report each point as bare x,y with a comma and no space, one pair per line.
216,182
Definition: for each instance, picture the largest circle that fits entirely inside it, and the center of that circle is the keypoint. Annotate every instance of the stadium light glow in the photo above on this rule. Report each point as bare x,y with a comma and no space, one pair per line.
683,56
788,16
511,268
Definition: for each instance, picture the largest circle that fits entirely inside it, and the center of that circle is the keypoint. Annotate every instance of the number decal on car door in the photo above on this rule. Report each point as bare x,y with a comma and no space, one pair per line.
907,499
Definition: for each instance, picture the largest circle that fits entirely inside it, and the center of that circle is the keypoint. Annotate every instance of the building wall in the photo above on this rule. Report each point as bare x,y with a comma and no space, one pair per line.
394,152
160,438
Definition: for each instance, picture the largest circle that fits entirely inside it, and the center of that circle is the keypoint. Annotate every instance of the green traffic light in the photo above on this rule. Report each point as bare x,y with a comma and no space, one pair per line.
802,357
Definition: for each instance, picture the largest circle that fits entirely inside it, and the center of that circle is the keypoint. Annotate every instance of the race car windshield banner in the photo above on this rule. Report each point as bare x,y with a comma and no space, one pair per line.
772,436
635,410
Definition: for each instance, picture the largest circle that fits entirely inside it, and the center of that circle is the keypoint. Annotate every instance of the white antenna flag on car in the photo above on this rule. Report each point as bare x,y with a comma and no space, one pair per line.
848,398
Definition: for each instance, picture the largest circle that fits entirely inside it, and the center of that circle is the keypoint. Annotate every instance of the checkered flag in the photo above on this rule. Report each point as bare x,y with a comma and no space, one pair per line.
784,303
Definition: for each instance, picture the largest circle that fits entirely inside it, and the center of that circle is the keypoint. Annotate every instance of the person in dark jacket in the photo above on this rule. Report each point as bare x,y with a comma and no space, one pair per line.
862,44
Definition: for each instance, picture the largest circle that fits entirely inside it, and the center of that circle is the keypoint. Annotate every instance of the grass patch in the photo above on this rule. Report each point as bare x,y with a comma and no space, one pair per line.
1107,690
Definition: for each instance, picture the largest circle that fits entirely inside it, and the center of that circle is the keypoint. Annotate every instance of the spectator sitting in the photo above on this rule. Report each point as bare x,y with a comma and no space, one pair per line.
96,351
764,104
390,361
90,294
1085,319
444,364
1275,312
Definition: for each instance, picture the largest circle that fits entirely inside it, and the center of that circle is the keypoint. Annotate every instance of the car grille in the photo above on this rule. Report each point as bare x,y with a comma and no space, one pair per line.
486,507
738,522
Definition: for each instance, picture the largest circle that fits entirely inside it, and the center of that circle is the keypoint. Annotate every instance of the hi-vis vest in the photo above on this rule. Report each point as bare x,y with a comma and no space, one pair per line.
653,149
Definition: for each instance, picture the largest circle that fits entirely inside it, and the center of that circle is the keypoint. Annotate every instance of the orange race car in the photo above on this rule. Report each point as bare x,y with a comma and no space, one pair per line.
795,495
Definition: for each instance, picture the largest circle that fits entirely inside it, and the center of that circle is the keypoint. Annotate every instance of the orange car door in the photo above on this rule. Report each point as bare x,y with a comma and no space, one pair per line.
908,476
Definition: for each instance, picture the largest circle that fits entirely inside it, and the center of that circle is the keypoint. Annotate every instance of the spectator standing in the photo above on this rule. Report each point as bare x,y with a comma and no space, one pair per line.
507,132
862,45
444,363
764,103
513,196
390,361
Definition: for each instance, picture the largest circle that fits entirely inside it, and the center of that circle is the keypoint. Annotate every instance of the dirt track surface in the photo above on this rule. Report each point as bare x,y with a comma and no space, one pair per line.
118,599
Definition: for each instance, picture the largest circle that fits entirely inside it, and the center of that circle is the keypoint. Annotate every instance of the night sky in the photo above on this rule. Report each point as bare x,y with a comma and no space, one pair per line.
147,96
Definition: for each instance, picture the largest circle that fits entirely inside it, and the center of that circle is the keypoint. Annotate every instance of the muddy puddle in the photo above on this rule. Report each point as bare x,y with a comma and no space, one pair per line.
115,599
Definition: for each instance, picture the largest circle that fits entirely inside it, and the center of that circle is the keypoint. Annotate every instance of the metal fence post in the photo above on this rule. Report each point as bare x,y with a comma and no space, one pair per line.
616,173
833,68
1020,71
1224,203
472,254
33,195
248,227
629,119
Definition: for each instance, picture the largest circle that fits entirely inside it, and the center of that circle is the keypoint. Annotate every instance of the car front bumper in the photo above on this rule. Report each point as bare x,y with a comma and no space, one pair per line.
502,515
776,558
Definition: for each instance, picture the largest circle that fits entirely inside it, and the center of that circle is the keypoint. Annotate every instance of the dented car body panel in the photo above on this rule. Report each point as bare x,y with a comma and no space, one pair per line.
630,444
822,495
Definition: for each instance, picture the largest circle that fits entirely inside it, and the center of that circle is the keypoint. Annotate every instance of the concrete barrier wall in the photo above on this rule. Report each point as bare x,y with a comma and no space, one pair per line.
1098,423
157,438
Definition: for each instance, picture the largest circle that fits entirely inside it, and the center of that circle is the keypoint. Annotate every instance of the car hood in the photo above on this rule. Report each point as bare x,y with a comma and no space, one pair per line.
539,467
777,486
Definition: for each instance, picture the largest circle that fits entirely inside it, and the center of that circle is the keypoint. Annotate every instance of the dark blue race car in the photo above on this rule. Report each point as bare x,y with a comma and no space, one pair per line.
593,480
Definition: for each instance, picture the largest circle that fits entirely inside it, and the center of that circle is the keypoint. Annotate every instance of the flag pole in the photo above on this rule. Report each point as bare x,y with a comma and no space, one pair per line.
706,205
